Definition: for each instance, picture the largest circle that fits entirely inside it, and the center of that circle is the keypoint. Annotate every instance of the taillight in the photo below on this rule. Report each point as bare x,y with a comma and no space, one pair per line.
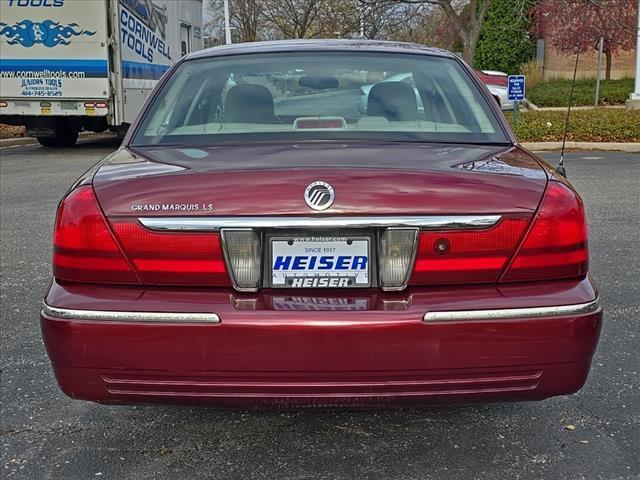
556,244
467,256
84,249
173,258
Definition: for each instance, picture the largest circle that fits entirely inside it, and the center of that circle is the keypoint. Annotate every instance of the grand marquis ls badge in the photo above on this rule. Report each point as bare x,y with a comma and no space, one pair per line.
319,195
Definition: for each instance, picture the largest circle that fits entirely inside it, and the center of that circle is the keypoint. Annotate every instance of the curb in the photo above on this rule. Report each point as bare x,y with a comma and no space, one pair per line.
11,142
581,107
601,146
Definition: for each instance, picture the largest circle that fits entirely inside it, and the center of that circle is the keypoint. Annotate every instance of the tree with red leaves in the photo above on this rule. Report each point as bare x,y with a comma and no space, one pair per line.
577,25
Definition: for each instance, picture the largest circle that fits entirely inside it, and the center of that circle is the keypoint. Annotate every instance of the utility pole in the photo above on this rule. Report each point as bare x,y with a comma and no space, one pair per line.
634,99
599,75
227,27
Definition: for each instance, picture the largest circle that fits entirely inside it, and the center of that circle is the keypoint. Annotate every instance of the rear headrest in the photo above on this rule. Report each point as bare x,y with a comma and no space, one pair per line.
249,104
395,101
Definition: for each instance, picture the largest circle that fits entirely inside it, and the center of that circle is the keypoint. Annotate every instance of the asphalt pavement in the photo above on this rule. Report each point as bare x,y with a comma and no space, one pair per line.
46,435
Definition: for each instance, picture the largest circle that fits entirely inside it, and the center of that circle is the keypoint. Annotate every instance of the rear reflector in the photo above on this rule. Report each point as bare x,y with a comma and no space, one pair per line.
556,245
244,258
173,258
467,256
397,248
84,249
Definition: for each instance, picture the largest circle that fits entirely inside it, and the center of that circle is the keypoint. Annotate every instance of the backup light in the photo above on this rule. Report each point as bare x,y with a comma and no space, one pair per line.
397,253
243,251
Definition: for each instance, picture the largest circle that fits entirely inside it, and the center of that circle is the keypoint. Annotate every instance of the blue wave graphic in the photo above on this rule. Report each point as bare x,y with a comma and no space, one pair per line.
47,33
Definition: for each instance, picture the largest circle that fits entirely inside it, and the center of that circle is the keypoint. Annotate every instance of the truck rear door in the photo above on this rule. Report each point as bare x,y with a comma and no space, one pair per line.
54,56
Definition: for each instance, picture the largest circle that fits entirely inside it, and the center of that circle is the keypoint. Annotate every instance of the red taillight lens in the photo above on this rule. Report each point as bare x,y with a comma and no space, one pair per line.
164,258
556,245
470,256
84,249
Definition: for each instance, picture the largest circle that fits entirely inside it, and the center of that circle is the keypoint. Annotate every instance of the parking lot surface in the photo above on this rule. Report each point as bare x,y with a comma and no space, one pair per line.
594,434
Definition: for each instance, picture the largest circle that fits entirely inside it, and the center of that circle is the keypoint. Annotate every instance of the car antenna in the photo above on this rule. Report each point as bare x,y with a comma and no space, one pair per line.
560,168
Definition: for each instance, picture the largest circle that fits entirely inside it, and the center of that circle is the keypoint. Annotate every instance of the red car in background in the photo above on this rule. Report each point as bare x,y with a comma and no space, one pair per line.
493,77
497,83
257,241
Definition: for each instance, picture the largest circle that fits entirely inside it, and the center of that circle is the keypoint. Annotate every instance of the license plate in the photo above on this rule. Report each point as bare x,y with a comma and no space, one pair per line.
320,262
66,105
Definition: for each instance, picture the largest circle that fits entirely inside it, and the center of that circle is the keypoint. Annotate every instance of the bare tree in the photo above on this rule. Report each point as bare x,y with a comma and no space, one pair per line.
338,18
245,18
294,18
466,17
379,20
405,20
388,20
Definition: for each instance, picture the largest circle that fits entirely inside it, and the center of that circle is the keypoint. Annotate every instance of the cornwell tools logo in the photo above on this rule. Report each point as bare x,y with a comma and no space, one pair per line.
47,33
319,195
152,15
143,26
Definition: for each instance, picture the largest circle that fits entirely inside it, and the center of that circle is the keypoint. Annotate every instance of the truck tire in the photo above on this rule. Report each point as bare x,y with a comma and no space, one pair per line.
66,133
47,141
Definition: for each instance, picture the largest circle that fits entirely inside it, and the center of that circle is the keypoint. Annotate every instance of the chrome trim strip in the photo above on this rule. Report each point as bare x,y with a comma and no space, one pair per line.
512,313
116,316
207,224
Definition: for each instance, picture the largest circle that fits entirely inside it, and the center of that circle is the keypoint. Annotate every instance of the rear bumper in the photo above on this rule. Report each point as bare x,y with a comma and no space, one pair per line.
115,345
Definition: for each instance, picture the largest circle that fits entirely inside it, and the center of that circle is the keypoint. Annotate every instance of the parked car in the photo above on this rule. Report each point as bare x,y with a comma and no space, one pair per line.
233,252
496,82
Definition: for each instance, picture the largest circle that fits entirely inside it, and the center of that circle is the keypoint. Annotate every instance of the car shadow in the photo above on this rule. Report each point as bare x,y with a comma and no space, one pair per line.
396,443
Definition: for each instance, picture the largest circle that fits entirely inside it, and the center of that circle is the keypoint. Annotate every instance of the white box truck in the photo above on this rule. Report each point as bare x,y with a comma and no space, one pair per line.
73,65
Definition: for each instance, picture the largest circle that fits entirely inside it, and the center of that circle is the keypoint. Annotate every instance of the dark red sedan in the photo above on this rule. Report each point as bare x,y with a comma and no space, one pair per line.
259,241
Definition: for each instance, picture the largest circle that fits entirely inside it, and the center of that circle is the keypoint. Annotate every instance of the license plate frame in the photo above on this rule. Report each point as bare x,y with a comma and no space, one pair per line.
321,238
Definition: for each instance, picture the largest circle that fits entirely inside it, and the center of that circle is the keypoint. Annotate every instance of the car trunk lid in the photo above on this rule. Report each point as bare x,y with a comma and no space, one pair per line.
270,179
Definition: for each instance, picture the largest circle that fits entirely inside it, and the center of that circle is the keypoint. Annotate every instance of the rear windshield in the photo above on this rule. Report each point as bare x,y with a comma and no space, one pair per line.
319,96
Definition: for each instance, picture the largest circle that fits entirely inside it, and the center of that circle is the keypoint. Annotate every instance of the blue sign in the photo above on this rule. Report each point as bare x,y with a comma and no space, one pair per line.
516,88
